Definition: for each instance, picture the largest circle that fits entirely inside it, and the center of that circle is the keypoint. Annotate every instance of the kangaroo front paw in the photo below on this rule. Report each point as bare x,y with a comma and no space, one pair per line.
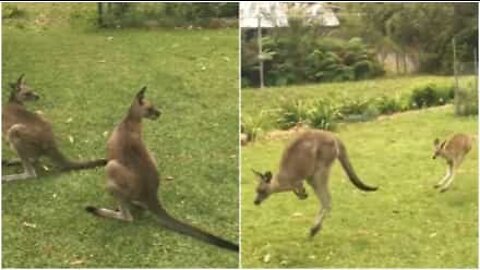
301,193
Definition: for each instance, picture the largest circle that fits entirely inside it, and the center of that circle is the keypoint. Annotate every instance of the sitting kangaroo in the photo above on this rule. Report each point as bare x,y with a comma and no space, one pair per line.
310,156
31,136
453,151
132,177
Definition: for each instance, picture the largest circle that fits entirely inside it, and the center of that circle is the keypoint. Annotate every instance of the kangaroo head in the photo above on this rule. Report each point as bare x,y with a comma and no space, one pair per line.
142,108
21,92
263,188
438,148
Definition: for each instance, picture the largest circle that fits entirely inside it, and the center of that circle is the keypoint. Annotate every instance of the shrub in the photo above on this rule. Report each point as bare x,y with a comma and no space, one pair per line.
291,113
253,127
431,95
389,105
323,115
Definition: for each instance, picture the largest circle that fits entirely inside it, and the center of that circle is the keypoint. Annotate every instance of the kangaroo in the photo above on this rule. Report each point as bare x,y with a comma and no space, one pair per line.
453,151
310,156
132,177
30,135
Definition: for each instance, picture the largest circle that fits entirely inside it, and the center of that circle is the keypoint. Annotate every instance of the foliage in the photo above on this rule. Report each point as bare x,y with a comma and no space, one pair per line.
209,15
253,126
323,115
388,105
292,112
298,54
425,29
431,95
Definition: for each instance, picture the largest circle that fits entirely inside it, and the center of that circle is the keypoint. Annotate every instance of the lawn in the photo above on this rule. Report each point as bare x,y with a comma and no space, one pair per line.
87,79
406,223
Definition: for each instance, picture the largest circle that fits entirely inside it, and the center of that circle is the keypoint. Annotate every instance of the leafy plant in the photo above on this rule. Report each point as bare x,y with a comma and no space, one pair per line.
323,115
291,113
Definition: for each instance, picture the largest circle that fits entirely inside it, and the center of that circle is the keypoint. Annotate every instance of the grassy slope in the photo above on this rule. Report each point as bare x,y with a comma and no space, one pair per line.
405,224
254,101
87,82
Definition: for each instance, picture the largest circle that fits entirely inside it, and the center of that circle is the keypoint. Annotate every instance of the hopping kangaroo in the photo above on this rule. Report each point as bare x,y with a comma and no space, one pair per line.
310,156
132,177
31,136
453,151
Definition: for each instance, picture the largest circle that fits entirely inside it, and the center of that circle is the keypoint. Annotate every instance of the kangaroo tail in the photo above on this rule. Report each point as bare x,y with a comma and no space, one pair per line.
68,165
171,223
347,166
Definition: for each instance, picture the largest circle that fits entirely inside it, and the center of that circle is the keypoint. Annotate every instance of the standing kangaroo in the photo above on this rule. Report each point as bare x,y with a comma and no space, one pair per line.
31,136
310,156
132,177
453,151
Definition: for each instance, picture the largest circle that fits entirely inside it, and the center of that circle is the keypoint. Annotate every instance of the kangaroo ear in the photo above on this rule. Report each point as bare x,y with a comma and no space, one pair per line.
258,174
443,144
436,141
21,79
268,176
141,94
13,86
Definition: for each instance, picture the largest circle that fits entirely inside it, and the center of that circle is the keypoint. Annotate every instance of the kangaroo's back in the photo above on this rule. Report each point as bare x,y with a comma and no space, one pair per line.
459,145
302,156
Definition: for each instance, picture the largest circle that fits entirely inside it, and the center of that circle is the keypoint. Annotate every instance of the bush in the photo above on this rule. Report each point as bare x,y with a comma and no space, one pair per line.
253,127
389,105
323,115
431,95
210,15
12,11
299,55
291,113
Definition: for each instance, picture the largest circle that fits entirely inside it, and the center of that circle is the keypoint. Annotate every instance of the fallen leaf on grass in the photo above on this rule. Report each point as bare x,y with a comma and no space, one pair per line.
29,225
297,214
70,138
77,262
170,178
266,258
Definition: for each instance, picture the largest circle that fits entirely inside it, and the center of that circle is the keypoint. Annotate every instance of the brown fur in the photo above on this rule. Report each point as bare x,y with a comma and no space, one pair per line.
132,177
31,136
453,151
310,157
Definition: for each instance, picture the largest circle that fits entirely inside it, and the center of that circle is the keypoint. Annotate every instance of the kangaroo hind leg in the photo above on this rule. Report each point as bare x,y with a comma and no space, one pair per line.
16,136
116,174
319,183
446,185
447,176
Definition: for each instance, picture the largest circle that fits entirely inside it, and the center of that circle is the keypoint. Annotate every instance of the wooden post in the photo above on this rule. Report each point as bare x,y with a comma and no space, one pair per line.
455,75
100,13
260,54
475,65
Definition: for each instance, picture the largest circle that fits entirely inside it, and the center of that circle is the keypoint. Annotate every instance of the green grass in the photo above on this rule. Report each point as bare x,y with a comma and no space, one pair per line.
254,100
87,79
406,223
